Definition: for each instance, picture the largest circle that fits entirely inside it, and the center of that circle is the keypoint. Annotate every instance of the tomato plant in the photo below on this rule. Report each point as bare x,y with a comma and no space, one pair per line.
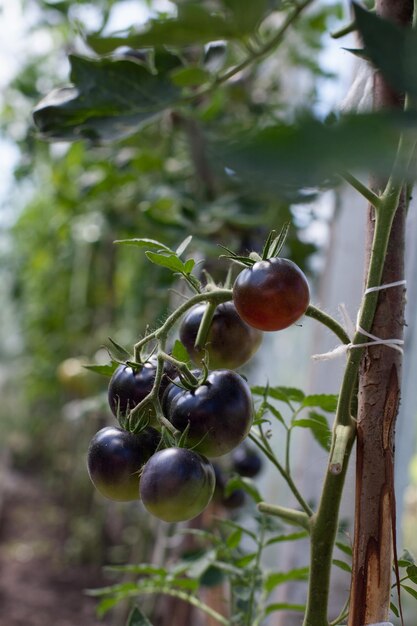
272,294
230,341
115,458
218,413
177,484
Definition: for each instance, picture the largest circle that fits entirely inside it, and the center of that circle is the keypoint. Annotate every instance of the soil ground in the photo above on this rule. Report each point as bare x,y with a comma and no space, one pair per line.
37,587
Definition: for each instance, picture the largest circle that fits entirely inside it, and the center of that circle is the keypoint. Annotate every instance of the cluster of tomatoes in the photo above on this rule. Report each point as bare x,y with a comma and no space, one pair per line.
214,416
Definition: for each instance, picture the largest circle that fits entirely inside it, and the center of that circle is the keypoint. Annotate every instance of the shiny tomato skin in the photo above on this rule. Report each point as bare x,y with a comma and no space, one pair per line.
177,484
115,458
271,295
128,387
219,412
230,341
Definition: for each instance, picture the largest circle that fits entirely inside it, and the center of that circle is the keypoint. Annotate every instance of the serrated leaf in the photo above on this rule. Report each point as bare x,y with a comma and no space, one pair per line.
89,110
410,590
104,370
284,606
277,578
172,262
183,245
319,427
240,482
137,618
190,76
149,244
392,48
342,565
284,394
194,24
326,402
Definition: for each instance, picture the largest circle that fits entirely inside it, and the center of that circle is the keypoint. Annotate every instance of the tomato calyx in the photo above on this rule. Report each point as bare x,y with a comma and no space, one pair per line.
271,249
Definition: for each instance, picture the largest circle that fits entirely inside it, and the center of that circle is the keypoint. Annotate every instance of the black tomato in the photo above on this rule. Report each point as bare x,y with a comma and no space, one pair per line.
230,341
128,387
115,458
177,484
219,412
246,461
271,295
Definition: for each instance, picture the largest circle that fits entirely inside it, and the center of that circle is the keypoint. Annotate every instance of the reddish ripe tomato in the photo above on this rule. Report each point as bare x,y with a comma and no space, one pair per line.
177,484
230,342
271,295
115,458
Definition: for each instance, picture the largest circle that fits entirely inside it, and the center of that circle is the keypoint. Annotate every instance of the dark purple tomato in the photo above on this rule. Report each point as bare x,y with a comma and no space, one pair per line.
128,387
230,341
235,500
219,412
271,295
177,484
115,458
246,461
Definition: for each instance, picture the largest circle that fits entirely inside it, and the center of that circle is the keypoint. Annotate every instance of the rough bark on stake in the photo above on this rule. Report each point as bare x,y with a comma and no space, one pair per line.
379,395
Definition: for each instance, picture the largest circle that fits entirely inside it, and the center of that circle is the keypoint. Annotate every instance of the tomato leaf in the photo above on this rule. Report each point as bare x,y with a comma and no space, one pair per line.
410,590
284,394
392,48
120,351
88,108
248,485
277,578
234,539
247,14
194,24
179,352
190,76
137,618
290,537
149,244
412,572
344,548
394,609
284,606
104,370
318,426
342,565
171,261
183,245
326,402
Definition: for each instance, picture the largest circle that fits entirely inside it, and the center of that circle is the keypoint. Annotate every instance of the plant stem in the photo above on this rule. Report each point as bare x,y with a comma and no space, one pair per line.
367,193
329,321
324,524
286,476
291,516
215,295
